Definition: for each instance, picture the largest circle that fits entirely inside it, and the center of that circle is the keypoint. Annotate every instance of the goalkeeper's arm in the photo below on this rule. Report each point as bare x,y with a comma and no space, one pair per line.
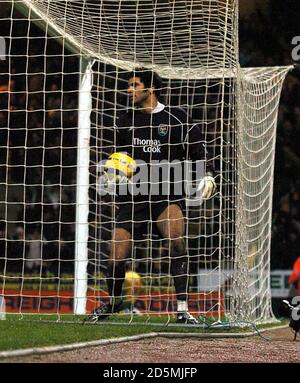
197,151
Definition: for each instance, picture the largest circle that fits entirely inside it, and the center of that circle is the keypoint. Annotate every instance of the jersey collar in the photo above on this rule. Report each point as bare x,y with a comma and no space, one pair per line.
159,107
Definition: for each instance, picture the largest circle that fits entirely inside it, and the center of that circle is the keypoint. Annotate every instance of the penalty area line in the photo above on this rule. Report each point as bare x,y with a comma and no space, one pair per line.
72,346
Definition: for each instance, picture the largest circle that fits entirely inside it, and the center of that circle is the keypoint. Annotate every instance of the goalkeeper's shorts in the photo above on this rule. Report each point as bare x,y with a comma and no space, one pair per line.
137,217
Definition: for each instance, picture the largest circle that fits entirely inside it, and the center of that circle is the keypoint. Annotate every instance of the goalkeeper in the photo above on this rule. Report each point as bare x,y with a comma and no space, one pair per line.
149,132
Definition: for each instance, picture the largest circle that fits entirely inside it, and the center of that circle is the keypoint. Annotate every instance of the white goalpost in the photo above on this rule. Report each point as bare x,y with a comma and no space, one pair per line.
82,196
64,87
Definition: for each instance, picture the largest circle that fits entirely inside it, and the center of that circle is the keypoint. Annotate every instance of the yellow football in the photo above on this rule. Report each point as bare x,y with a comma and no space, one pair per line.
122,163
132,286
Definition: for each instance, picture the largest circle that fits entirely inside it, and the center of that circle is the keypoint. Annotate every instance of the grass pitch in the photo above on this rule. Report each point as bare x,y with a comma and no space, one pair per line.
19,332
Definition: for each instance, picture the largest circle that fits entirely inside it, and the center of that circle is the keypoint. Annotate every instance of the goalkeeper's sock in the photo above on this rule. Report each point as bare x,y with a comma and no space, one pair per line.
182,306
179,271
115,279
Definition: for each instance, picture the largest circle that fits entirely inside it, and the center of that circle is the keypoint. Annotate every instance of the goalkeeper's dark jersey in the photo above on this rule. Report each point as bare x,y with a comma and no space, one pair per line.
166,136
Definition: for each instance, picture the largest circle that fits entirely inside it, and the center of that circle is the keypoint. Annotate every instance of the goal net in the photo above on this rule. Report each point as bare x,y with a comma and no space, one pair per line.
65,69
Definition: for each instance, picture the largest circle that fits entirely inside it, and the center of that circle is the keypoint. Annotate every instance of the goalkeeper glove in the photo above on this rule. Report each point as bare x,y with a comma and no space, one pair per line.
207,186
109,181
117,170
111,177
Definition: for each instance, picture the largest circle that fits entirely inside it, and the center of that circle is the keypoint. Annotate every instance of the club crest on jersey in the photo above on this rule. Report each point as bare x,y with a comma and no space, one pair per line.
163,130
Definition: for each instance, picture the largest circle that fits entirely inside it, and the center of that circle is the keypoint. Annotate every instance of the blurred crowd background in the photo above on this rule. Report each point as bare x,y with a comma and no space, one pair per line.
38,149
266,40
47,135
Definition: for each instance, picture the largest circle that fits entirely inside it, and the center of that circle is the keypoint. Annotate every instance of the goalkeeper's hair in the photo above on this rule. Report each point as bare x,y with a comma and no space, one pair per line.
148,78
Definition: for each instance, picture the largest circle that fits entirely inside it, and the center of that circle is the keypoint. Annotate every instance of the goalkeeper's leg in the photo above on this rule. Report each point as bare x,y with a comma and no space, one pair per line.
170,224
120,250
121,245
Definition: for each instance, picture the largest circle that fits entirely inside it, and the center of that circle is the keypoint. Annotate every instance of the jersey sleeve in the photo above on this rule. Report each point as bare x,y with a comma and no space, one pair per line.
118,134
122,135
196,148
112,141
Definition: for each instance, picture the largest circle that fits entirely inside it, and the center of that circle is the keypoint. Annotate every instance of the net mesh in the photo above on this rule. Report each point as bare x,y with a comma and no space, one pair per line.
193,45
259,98
145,32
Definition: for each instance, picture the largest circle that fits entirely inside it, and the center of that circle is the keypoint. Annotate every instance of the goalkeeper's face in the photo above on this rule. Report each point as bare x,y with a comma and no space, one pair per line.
138,94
